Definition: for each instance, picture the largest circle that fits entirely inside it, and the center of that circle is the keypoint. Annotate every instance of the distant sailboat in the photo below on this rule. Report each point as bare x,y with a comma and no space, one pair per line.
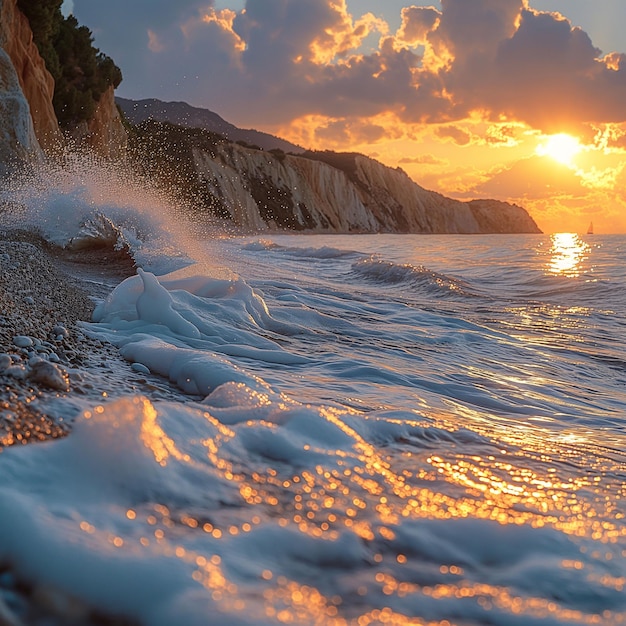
590,229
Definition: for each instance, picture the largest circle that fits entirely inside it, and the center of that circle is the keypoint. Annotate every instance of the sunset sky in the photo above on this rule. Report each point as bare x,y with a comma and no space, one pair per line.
519,100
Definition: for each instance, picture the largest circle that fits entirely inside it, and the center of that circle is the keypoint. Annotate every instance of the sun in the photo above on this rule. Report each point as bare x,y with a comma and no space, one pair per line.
562,148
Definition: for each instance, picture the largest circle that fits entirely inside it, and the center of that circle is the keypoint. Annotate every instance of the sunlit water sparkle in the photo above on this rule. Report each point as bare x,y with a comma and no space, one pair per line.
377,430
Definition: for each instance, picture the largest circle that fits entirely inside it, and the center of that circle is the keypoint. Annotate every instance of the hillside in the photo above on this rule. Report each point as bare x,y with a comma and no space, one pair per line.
315,191
183,114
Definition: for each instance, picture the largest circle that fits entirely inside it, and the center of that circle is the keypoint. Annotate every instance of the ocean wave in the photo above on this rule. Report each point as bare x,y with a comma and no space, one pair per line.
377,270
100,232
85,205
261,245
323,252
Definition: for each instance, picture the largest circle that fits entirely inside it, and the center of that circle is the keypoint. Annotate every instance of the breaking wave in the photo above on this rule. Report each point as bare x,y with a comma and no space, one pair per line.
377,270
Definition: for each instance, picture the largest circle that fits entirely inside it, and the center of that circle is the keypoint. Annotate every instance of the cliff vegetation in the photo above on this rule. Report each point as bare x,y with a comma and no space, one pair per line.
82,74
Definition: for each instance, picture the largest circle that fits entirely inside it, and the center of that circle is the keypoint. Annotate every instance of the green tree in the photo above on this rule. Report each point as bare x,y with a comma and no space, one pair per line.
81,72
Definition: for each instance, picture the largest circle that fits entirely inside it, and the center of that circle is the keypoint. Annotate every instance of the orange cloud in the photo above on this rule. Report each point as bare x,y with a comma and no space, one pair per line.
223,20
417,24
458,135
499,59
423,159
344,36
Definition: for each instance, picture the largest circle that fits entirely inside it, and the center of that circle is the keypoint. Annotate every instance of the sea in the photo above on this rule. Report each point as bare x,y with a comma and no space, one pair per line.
329,429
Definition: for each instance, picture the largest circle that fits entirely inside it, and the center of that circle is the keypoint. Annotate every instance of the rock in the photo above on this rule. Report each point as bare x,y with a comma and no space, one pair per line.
17,135
104,133
50,375
16,371
315,191
501,217
60,332
140,368
22,341
37,84
107,135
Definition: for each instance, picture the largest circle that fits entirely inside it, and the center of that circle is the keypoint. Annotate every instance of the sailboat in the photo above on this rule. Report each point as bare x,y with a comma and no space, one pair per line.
590,229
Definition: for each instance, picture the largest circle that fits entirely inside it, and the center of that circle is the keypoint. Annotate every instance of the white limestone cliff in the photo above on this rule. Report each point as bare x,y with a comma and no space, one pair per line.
17,135
262,191
268,190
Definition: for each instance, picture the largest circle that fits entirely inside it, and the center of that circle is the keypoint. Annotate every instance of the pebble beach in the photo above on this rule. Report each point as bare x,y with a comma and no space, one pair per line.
45,355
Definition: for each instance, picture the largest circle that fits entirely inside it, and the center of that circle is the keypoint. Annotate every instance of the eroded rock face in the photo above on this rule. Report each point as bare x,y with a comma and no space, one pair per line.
502,217
17,135
107,135
104,133
36,83
258,190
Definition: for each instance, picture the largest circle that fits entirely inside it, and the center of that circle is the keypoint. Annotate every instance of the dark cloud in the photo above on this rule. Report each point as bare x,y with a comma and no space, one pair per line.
282,59
417,23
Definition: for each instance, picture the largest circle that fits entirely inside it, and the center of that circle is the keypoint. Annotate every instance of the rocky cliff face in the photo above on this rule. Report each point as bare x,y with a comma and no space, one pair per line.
337,193
27,89
104,133
260,190
36,83
17,135
501,217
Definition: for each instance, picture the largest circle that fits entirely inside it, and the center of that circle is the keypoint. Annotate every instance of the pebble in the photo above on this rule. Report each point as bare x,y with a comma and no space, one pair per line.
50,375
16,371
140,368
5,361
60,332
22,341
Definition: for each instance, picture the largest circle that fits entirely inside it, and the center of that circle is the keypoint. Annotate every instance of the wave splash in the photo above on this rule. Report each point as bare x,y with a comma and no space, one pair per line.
88,204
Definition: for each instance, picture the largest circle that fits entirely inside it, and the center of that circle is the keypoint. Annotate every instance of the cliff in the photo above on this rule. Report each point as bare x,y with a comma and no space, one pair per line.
104,132
17,135
27,90
37,84
254,188
316,191
501,217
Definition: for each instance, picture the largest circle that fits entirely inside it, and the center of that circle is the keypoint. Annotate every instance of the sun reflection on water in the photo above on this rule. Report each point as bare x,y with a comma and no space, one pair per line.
568,253
393,529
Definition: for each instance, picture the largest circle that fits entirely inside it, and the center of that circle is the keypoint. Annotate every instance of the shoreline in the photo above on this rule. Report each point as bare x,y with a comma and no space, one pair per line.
41,304
45,292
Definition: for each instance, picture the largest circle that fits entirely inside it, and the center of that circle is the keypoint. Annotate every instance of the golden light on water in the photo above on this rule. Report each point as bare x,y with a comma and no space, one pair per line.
568,253
371,513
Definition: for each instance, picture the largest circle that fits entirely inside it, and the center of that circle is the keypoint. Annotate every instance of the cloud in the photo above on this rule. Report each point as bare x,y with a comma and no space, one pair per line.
536,177
459,136
280,60
424,159
417,24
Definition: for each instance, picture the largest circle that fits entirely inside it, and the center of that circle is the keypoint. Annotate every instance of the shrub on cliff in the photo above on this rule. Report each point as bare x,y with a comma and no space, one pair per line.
80,71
